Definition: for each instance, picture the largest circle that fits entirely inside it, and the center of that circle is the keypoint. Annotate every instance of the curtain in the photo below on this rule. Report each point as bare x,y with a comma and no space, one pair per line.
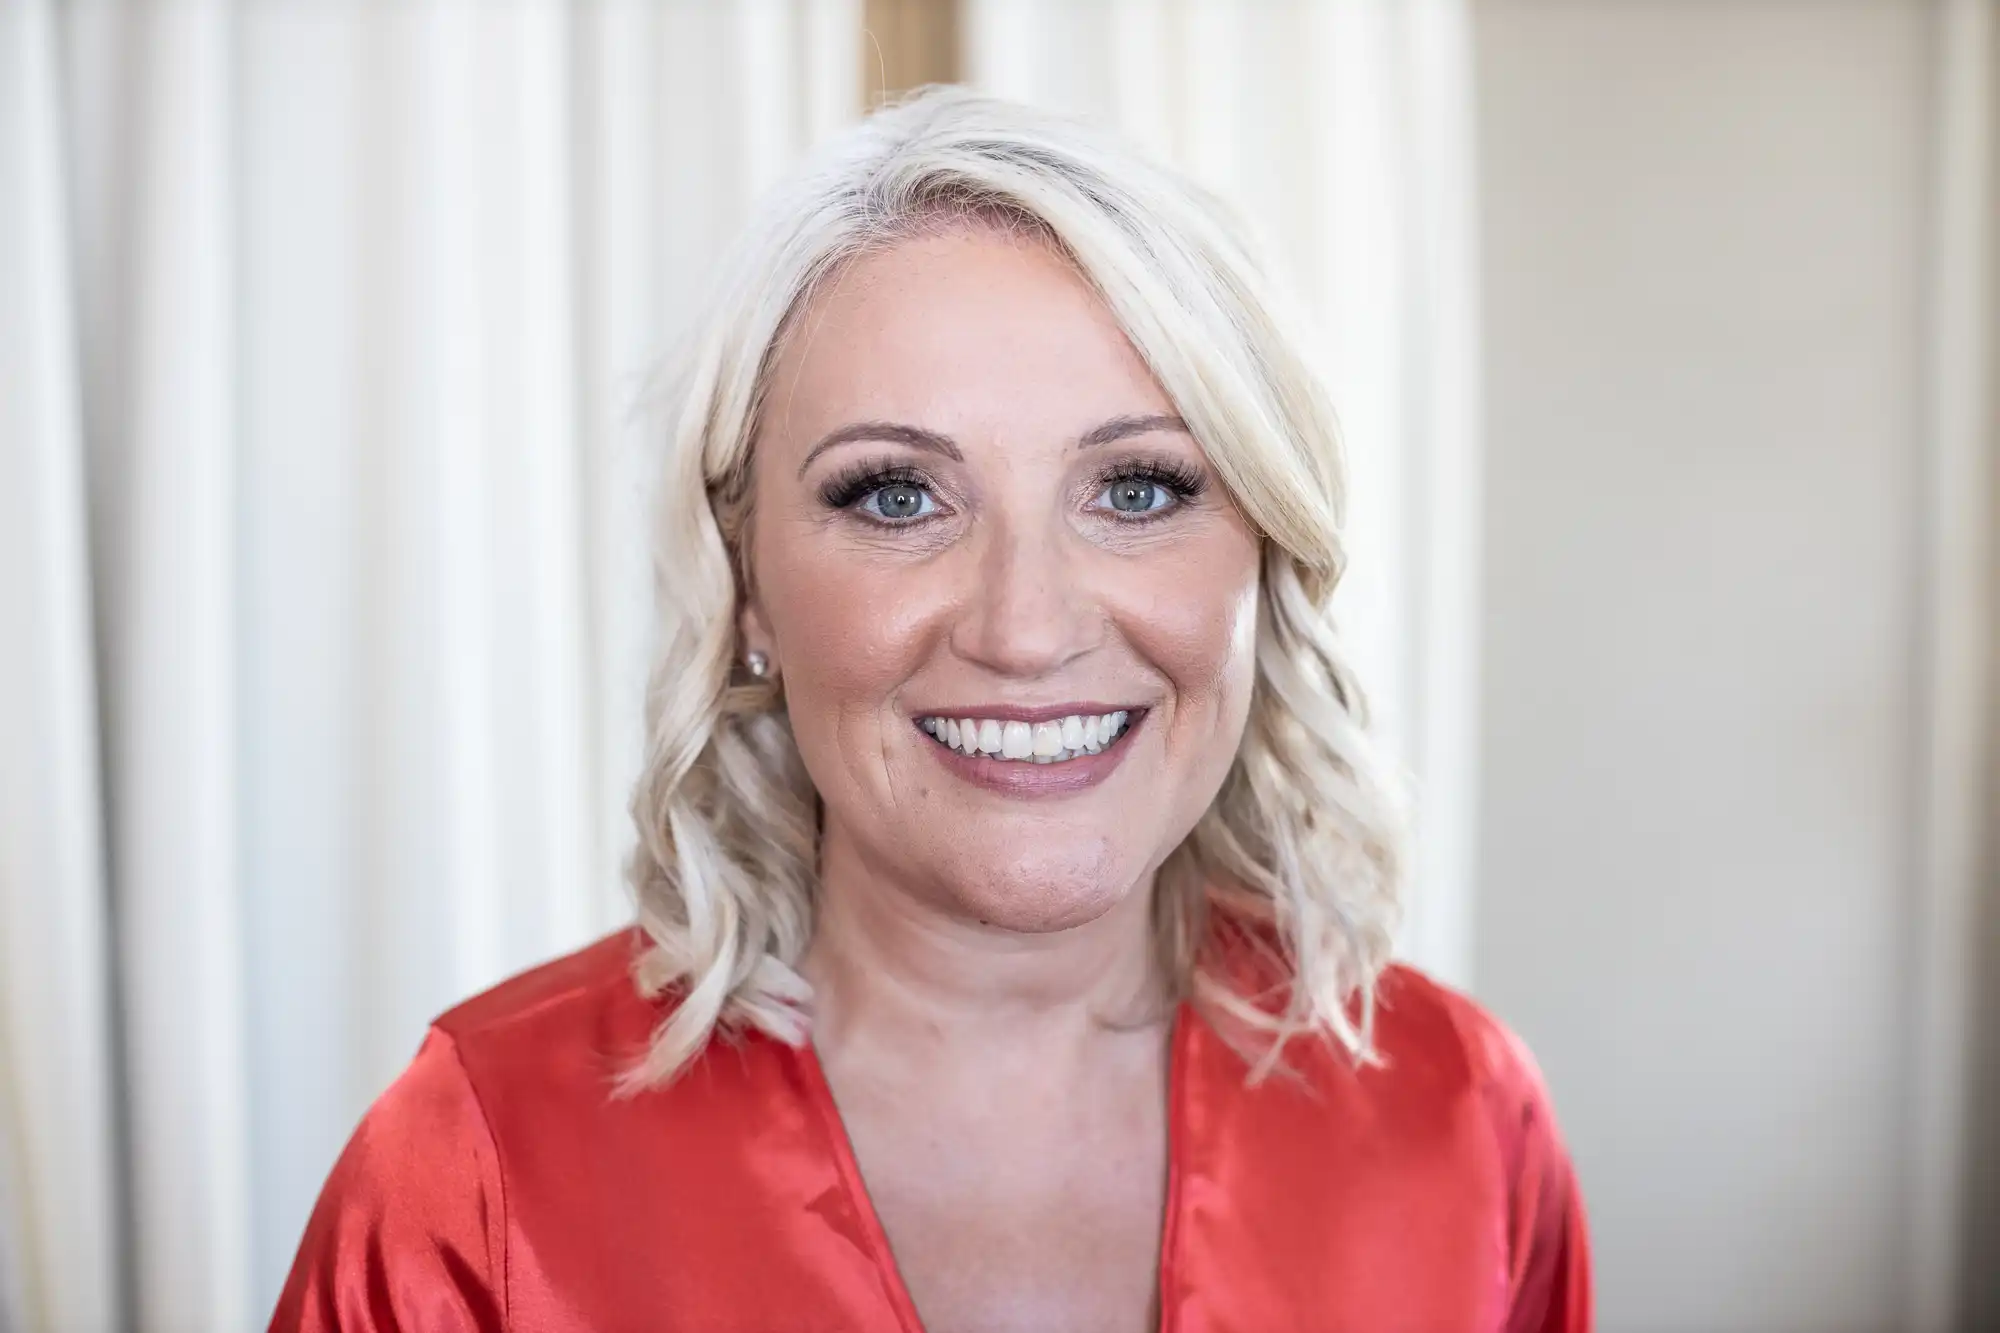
323,591
321,573
58,1216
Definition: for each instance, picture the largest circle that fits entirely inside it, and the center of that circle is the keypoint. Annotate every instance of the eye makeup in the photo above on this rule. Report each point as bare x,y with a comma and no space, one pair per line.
1180,478
862,478
849,487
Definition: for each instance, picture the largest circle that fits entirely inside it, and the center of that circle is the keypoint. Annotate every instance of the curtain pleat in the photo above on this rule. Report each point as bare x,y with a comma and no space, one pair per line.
59,1194
162,453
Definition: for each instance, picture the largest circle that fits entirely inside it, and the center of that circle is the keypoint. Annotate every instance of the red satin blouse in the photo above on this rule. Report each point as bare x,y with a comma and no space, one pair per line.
498,1186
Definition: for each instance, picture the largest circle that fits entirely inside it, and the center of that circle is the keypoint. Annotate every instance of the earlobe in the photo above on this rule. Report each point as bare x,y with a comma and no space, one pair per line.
754,640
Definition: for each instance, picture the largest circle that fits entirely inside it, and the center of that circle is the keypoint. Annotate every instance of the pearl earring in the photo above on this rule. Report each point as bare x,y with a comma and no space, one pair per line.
759,665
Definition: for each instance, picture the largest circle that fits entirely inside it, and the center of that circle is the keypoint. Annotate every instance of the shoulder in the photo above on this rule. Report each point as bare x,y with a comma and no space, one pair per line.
1421,1021
410,1225
1440,1045
548,1047
413,1221
567,1020
1426,1029
587,991
547,1044
1448,1080
547,1055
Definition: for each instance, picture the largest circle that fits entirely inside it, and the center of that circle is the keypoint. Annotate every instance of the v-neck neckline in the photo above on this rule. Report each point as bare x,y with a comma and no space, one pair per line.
820,1091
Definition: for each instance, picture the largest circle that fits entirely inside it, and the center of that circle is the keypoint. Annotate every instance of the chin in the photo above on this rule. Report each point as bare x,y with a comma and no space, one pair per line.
1034,902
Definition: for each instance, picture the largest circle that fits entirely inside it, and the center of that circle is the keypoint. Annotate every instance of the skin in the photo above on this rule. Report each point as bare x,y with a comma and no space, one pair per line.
986,1006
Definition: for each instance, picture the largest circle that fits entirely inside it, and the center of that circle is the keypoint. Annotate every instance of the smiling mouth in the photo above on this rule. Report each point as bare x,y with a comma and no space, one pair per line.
1056,741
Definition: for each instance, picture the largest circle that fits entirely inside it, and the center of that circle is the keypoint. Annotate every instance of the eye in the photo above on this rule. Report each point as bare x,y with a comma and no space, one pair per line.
898,500
884,493
1141,489
1135,495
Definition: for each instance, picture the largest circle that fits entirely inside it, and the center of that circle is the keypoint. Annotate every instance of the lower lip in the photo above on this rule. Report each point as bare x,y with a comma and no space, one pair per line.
1024,777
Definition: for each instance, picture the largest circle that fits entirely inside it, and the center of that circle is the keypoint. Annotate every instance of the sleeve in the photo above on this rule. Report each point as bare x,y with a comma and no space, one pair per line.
408,1235
1548,1279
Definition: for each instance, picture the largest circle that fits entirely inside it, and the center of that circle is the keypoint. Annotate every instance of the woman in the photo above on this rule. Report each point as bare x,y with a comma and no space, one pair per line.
1014,888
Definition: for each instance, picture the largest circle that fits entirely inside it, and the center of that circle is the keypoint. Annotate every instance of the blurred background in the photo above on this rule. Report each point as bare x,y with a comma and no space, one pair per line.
1664,337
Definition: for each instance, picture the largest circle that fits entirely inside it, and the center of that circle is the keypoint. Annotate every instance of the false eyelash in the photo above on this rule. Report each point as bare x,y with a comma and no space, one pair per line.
848,485
857,480
1184,480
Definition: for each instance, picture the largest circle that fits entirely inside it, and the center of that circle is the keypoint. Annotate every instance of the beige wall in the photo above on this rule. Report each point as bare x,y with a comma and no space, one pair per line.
1706,247
1982,1213
906,43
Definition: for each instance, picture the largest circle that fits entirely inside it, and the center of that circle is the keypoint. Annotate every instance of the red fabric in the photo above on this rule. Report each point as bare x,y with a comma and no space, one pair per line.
499,1186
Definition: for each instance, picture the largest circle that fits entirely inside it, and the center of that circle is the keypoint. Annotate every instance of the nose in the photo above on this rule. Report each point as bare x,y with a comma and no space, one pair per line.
1028,612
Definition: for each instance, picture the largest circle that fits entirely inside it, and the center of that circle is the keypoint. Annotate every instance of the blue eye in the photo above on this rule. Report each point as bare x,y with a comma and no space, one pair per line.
1135,495
898,500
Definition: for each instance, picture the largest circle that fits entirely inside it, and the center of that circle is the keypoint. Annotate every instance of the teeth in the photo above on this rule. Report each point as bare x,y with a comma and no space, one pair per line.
1024,742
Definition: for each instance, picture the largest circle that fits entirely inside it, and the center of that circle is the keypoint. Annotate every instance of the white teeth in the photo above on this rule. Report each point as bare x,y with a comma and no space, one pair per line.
1029,742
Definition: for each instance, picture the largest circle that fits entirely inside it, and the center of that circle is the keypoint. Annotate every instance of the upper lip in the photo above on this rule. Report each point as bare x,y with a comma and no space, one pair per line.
1024,713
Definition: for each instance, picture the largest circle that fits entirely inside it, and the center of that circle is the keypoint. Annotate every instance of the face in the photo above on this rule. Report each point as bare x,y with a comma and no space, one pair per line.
1012,605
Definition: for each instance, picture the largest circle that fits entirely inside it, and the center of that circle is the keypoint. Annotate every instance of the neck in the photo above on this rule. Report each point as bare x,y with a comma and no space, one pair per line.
891,964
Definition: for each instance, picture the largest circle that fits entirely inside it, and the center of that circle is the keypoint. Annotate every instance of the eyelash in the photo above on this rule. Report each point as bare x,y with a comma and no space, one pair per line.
1182,480
847,488
850,485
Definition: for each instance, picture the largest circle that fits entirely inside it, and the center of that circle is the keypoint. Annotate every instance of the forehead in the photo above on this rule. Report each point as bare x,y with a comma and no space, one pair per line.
975,332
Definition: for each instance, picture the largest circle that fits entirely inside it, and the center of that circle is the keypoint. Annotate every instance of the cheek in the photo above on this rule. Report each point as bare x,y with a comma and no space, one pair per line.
1198,626
1211,658
847,635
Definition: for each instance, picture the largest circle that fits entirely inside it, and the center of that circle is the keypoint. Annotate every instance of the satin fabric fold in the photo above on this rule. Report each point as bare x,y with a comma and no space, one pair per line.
501,1185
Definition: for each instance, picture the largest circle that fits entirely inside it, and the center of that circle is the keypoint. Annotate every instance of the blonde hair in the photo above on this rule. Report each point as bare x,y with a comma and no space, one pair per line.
1299,854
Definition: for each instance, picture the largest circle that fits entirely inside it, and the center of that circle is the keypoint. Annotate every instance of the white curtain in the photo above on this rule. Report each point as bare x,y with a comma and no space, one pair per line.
1342,132
322,587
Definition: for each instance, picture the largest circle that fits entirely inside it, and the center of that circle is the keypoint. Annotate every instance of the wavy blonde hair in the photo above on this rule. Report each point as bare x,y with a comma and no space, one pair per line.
1299,854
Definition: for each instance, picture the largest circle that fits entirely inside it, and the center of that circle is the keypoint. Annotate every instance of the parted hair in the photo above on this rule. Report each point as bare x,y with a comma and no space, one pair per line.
1300,853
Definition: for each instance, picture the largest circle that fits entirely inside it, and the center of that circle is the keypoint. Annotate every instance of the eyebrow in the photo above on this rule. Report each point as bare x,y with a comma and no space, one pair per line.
1124,428
885,432
930,441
